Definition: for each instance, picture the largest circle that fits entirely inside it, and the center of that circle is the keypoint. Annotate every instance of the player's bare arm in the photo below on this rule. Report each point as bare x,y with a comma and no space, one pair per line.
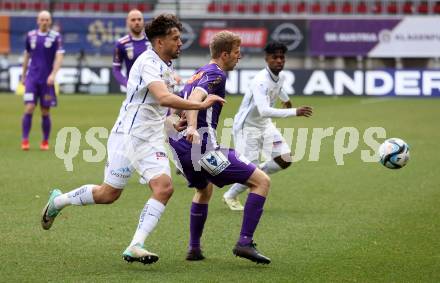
167,99
56,66
25,66
192,135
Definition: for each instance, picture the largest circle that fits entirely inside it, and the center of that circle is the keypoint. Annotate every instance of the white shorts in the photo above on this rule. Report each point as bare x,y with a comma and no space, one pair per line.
267,141
127,154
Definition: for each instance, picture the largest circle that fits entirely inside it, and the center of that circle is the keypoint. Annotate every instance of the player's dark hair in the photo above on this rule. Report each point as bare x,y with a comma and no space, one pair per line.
161,26
275,46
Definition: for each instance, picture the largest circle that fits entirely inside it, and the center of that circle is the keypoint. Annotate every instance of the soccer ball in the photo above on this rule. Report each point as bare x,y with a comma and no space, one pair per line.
394,153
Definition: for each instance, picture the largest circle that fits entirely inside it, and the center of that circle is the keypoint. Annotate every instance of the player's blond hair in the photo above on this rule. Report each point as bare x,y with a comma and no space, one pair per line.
223,41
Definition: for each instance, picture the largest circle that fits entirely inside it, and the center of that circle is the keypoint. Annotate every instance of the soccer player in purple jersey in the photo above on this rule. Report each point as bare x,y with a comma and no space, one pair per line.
130,46
45,51
204,163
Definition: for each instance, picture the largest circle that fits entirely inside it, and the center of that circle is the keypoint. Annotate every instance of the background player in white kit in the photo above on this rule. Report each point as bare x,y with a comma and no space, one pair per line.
254,132
137,139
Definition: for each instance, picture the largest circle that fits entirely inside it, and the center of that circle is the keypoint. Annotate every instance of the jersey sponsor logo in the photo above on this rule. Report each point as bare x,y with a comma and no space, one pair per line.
161,155
214,162
48,42
123,172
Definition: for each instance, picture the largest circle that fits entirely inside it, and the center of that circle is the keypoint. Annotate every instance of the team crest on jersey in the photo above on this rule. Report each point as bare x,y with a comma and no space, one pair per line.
48,42
130,52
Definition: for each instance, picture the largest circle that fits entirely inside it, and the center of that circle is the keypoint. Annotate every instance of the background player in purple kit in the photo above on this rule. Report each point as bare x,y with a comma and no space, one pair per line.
45,50
130,46
220,166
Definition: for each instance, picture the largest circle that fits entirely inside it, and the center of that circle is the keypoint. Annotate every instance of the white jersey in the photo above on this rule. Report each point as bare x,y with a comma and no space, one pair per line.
141,115
256,109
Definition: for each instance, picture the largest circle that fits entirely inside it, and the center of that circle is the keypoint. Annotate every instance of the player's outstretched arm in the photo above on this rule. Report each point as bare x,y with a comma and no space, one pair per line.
159,90
192,135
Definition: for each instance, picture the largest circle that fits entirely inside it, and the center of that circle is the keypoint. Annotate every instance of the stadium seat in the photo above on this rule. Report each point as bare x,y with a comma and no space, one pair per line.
362,8
226,8
271,8
286,8
377,8
125,7
66,6
212,7
82,7
423,8
392,8
408,7
240,8
301,7
436,9
331,7
347,8
22,6
256,8
316,8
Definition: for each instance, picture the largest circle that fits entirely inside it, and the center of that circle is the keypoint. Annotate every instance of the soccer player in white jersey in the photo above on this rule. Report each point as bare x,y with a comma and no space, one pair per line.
254,132
136,142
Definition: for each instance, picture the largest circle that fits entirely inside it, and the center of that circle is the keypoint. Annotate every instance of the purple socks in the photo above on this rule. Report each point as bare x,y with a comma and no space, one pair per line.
253,209
26,124
199,213
45,126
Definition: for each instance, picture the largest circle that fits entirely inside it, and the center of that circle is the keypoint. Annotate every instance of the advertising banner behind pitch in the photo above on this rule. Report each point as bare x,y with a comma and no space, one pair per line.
93,35
375,83
254,34
409,37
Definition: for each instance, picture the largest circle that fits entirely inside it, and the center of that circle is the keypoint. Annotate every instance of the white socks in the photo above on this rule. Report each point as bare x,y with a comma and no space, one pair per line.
81,196
148,219
270,167
235,190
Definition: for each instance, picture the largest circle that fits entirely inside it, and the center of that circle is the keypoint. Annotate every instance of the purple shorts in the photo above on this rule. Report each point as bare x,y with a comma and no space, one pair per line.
238,171
42,92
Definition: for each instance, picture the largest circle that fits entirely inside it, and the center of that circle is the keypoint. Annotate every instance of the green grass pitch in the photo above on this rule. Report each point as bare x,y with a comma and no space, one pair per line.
359,222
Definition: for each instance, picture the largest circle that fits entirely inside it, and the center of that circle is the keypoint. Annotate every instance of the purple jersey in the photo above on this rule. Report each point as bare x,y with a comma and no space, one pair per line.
211,79
42,48
127,49
228,165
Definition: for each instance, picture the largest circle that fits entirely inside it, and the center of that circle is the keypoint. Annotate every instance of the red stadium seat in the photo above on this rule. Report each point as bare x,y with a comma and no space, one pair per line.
271,8
316,8
301,7
331,7
408,7
436,9
22,6
361,8
226,8
8,5
392,8
125,7
96,7
256,8
240,8
66,6
286,8
347,8
423,8
212,7
377,8
82,6
111,7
